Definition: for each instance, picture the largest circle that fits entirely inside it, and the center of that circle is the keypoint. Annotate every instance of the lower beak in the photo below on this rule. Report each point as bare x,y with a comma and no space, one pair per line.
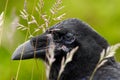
27,51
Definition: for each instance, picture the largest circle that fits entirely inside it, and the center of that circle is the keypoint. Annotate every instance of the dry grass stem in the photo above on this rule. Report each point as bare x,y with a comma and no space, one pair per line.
68,59
1,19
24,14
1,25
105,54
47,18
59,18
40,5
56,7
50,54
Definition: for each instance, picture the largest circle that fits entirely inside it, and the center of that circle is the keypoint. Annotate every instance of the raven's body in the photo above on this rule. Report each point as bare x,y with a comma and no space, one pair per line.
71,33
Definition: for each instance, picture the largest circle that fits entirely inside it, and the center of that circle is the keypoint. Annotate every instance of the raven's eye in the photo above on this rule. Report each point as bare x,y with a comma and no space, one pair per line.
69,38
57,37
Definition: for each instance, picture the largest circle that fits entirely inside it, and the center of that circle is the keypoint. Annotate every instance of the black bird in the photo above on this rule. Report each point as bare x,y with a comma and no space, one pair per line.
66,35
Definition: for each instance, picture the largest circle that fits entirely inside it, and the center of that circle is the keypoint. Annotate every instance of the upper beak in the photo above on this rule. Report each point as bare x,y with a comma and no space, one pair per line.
26,51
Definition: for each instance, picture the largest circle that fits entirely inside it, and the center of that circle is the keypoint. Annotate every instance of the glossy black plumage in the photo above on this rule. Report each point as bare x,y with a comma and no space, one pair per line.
66,36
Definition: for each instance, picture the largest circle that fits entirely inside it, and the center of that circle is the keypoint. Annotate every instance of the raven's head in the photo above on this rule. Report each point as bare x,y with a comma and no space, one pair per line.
65,36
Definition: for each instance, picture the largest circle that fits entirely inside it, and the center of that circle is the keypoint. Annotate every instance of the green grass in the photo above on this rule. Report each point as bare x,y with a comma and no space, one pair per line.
102,15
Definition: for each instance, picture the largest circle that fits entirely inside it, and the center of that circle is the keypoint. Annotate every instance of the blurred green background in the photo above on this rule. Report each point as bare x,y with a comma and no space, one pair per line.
102,15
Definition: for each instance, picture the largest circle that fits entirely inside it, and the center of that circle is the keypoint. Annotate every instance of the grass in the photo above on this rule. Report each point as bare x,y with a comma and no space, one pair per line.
105,54
67,60
1,25
2,21
47,20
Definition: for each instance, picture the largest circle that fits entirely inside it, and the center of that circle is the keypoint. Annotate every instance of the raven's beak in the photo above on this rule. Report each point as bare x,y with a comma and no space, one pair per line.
26,51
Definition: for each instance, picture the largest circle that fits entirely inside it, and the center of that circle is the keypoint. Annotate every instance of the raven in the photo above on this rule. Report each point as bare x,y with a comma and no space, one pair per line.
66,35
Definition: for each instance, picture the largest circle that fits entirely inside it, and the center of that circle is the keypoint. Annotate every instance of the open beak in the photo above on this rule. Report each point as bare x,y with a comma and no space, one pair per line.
27,51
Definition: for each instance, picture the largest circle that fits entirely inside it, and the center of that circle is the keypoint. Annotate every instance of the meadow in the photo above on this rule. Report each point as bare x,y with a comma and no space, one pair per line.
102,15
